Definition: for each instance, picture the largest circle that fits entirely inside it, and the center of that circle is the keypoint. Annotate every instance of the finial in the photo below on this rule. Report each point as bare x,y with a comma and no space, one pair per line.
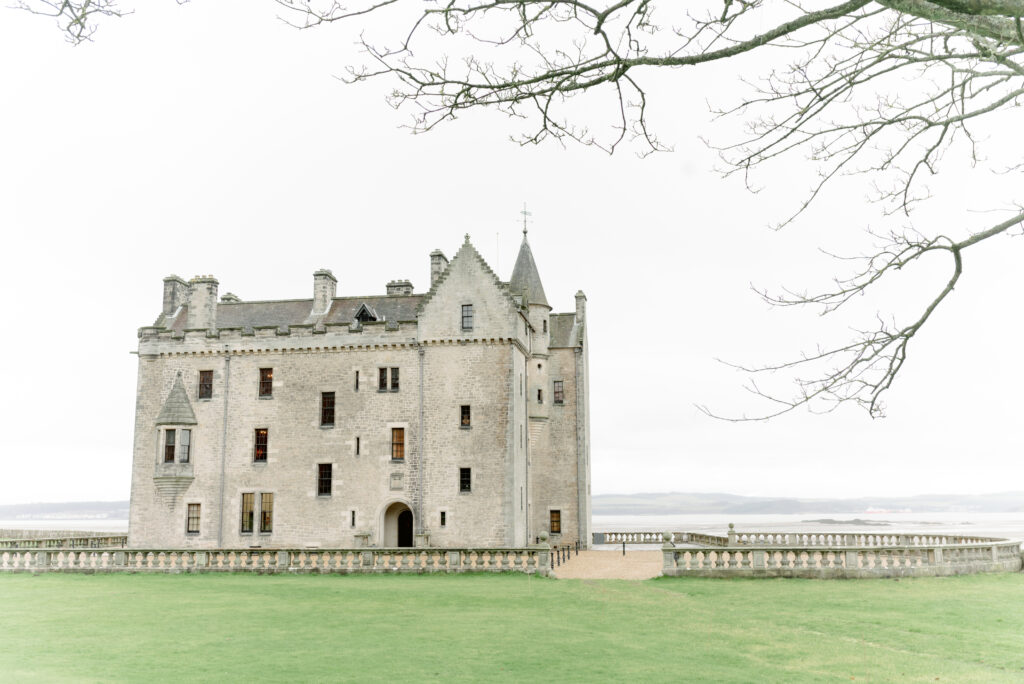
525,214
467,238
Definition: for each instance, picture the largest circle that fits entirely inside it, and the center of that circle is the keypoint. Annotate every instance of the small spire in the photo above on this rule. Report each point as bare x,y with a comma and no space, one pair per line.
526,216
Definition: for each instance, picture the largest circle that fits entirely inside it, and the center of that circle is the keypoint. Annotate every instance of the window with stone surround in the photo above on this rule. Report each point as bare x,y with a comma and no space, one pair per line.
397,444
357,381
327,408
168,446
248,511
540,396
555,519
259,452
192,520
357,446
464,416
394,379
465,480
545,326
467,316
206,384
323,479
266,382
353,519
444,519
184,446
559,392
382,379
266,513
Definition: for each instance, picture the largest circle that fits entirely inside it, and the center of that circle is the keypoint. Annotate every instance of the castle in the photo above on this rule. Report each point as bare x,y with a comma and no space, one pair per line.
455,418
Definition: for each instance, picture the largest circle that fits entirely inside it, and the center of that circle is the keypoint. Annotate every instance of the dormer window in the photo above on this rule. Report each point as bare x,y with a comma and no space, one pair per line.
365,314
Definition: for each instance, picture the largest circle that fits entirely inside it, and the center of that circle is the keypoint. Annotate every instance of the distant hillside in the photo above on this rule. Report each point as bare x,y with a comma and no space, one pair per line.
679,503
75,510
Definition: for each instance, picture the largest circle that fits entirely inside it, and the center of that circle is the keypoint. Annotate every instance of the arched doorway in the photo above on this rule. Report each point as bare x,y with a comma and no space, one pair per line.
398,524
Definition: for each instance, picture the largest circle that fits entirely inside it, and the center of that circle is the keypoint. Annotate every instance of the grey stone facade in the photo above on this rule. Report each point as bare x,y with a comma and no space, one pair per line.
201,379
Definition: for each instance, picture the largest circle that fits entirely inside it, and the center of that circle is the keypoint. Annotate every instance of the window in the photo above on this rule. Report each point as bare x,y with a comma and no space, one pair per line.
205,384
357,381
192,521
540,396
465,480
266,382
467,316
394,379
259,452
184,448
323,479
397,444
559,392
357,446
556,521
327,408
464,419
266,512
353,523
248,503
443,519
382,380
545,326
168,446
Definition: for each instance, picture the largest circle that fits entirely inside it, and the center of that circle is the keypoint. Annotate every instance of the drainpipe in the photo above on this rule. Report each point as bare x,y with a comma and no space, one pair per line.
419,451
224,444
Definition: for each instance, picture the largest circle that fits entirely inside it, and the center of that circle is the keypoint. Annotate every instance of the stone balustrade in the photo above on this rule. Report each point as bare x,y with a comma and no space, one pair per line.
533,560
657,537
67,542
853,539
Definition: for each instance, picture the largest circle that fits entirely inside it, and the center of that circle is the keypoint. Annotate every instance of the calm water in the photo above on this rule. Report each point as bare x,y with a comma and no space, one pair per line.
1010,525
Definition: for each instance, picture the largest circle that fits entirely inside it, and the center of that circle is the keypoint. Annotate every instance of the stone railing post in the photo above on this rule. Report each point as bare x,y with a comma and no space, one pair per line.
366,559
454,561
938,555
995,553
543,554
422,540
283,560
851,561
758,559
42,560
119,559
732,535
668,555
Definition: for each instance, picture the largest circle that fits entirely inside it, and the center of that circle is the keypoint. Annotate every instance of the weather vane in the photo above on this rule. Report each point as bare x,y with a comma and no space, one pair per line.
526,216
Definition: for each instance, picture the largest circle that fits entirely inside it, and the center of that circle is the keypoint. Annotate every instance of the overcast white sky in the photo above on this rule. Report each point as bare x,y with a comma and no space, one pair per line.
211,138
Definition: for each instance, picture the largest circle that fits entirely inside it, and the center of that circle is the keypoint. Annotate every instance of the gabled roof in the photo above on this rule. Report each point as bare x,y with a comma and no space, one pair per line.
466,251
564,331
176,409
525,278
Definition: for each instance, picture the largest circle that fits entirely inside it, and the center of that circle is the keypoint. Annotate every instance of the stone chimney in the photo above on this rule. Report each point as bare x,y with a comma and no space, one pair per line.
581,306
399,287
325,286
202,303
438,262
175,293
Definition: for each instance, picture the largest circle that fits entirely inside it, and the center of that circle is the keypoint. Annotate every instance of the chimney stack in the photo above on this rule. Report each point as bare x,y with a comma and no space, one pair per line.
399,287
325,286
438,262
581,306
175,293
202,303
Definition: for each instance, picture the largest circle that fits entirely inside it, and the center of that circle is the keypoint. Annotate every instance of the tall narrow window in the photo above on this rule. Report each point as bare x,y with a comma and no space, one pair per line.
464,416
323,479
353,523
185,447
205,384
467,316
465,480
443,519
248,506
357,381
545,325
357,446
168,446
259,452
327,408
559,392
540,396
266,382
394,379
192,521
397,444
556,521
382,379
266,512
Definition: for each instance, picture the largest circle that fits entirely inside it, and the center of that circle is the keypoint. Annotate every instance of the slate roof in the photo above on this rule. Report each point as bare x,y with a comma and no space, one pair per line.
176,409
525,279
296,312
563,330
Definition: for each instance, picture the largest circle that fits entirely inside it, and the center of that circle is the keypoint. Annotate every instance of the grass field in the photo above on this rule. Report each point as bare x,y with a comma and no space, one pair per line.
508,627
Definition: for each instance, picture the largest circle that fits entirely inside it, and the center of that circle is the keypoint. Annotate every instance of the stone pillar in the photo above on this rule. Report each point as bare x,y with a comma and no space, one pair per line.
668,555
422,541
758,560
543,554
366,559
325,287
455,561
851,561
283,561
732,535
119,558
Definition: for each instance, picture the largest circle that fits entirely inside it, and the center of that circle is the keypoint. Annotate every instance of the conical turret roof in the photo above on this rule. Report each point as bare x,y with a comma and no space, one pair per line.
176,409
525,278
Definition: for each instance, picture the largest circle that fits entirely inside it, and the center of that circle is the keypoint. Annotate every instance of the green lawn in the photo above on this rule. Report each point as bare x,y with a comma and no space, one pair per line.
507,627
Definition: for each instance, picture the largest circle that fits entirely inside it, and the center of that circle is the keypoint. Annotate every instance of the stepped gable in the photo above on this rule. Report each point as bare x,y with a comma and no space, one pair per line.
296,312
466,251
177,410
525,278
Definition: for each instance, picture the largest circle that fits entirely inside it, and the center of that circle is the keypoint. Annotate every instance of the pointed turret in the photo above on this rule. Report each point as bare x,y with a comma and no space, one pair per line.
525,278
176,409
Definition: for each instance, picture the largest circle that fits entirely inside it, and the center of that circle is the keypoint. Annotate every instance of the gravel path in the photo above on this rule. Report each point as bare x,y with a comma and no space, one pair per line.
635,565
